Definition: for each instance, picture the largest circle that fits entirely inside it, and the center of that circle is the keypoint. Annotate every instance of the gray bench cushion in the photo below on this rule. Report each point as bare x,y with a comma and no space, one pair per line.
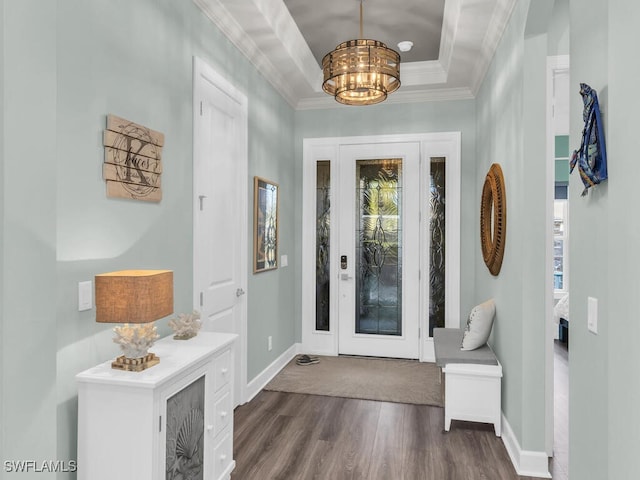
447,342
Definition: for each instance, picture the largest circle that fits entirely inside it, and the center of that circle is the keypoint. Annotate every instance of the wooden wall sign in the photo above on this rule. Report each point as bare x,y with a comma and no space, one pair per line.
132,160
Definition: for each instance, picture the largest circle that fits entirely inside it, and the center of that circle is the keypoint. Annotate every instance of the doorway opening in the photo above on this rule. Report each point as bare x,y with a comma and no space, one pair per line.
559,272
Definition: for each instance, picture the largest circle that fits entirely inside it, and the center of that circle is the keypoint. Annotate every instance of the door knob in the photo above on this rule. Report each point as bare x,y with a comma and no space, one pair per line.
239,292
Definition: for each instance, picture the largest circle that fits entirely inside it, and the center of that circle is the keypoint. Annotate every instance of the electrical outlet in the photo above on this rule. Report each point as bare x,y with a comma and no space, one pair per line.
270,343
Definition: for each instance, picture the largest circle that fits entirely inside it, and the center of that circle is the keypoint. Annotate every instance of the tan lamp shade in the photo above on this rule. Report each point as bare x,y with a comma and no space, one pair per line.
134,296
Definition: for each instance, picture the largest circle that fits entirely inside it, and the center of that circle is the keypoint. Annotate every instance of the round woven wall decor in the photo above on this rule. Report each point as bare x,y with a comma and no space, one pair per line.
493,219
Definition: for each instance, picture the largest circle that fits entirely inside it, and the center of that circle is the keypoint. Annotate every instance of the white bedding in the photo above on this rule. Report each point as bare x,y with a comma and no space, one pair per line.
561,310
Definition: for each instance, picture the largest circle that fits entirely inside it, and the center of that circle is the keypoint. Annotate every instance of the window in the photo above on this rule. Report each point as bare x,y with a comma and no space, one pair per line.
560,217
560,244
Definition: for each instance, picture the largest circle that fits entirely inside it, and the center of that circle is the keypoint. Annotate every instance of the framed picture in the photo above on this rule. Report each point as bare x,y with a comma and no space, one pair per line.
265,225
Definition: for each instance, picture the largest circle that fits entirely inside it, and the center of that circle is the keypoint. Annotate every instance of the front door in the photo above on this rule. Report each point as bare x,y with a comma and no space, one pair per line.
378,244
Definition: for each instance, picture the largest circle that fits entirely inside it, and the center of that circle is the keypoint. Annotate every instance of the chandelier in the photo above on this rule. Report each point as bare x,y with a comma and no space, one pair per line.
361,72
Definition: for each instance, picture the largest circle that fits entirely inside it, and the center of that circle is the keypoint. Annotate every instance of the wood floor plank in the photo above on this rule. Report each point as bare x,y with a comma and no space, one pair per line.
354,443
388,442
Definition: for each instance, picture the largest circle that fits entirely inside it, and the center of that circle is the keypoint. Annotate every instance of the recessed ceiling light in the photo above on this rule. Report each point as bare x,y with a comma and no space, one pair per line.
405,46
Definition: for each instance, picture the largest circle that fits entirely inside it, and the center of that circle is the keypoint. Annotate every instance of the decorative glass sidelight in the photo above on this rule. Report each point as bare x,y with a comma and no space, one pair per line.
323,229
437,243
379,247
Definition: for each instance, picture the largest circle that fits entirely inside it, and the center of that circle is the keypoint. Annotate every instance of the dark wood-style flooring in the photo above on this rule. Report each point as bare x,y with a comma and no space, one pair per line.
294,436
288,436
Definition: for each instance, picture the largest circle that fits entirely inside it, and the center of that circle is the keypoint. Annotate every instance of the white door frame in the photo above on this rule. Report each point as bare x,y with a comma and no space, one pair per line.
202,73
555,65
446,144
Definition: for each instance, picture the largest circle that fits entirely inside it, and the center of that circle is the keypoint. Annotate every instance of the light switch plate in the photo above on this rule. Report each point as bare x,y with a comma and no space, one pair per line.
284,261
85,296
592,314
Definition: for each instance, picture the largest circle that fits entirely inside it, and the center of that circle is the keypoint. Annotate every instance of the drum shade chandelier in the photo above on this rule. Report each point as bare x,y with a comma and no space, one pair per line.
360,71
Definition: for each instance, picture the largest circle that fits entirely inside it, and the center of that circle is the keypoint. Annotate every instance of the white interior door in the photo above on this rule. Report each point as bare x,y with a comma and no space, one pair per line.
379,240
220,210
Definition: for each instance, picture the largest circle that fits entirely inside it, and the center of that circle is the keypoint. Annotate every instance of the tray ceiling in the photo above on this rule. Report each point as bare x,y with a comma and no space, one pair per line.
454,41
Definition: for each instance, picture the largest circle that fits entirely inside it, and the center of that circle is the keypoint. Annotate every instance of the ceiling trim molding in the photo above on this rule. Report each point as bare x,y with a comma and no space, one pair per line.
277,16
401,96
499,20
422,73
220,16
450,21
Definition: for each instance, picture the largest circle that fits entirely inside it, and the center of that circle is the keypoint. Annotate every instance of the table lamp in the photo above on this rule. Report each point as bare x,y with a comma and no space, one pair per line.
136,298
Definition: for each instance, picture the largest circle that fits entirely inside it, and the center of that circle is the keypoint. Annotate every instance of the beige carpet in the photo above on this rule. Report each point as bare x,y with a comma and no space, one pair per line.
388,380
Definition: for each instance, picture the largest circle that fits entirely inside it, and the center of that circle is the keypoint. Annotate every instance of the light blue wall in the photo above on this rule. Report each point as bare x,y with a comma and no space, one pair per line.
511,125
589,354
2,250
499,124
558,41
605,386
623,257
396,119
29,232
68,64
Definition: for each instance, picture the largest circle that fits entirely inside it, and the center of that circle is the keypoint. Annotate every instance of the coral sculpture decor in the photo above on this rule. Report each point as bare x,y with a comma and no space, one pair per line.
186,326
135,340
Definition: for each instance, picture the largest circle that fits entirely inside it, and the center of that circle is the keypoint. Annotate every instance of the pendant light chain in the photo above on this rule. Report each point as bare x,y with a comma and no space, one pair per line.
361,34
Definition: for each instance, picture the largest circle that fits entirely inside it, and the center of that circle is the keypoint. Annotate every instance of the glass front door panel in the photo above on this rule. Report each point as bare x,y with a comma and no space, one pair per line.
323,230
436,243
378,266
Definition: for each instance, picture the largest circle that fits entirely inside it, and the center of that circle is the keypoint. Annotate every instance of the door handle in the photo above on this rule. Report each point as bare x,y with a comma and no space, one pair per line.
240,292
345,276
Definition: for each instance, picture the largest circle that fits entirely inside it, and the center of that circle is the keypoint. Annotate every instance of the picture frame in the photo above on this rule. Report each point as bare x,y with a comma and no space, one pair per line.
265,224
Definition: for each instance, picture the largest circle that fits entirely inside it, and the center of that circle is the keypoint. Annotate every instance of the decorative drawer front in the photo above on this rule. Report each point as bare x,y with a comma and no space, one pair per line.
223,413
222,370
223,455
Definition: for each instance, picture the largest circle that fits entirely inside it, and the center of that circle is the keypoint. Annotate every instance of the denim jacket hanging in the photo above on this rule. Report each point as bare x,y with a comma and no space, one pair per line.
591,157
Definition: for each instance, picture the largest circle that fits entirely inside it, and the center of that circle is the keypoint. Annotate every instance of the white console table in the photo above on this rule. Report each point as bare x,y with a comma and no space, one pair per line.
170,421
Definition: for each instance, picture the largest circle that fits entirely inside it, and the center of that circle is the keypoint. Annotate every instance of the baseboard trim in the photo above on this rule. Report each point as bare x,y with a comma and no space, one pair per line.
260,381
527,463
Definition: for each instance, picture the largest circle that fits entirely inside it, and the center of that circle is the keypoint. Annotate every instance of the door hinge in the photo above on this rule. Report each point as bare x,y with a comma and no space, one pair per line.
201,298
200,108
160,423
419,333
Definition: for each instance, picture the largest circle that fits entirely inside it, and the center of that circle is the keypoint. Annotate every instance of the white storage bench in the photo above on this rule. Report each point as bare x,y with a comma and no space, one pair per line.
472,380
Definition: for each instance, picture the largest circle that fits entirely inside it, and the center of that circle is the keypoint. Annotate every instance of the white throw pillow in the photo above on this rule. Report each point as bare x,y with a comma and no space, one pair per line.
479,325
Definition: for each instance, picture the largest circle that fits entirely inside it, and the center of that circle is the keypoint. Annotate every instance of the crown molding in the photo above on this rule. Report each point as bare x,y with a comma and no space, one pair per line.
422,73
229,26
401,96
